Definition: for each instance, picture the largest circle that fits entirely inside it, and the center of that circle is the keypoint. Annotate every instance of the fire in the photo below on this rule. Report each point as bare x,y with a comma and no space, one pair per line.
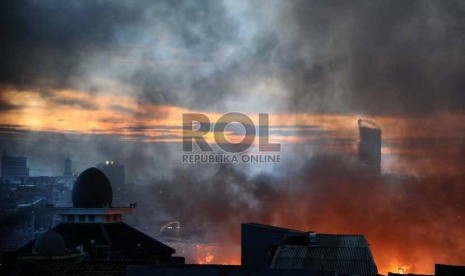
203,254
400,268
217,254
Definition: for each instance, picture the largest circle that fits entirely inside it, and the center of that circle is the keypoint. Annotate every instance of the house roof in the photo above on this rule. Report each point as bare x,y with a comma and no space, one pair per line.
343,254
443,269
271,227
118,236
50,243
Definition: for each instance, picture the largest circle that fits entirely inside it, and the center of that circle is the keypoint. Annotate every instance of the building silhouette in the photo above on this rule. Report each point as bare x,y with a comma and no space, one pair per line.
68,175
114,171
266,246
68,171
14,167
96,227
439,270
369,147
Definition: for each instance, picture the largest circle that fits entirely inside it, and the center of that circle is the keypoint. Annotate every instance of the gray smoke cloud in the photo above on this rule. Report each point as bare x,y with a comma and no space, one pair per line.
380,57
394,212
359,57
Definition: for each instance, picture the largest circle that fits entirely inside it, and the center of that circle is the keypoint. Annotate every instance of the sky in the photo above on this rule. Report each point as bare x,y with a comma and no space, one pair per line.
111,79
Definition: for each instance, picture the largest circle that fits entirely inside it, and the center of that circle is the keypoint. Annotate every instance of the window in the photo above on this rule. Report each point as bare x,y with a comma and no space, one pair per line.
91,217
82,218
70,218
115,217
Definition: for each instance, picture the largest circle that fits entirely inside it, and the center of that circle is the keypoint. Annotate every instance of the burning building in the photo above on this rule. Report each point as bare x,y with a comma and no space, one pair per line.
369,147
280,248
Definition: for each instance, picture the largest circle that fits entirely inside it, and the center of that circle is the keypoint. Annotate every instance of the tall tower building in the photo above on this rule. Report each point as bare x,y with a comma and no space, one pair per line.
369,147
68,175
68,172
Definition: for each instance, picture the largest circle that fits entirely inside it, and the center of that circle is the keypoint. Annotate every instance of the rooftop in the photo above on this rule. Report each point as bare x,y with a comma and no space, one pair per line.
116,235
344,254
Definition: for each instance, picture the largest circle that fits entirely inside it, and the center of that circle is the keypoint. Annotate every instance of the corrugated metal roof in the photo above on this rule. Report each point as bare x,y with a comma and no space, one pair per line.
344,254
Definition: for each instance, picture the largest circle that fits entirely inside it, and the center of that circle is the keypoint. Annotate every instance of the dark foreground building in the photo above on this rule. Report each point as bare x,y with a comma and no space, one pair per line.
281,248
449,270
91,232
92,239
439,270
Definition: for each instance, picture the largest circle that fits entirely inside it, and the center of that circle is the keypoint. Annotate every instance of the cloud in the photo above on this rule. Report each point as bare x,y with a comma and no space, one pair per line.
120,108
301,56
44,43
77,103
5,106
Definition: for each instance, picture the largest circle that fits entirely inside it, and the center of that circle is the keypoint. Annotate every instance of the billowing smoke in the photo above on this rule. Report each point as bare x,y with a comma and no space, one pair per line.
359,57
410,222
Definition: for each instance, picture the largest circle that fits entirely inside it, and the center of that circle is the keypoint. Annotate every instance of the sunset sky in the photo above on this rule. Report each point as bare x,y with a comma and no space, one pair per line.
111,79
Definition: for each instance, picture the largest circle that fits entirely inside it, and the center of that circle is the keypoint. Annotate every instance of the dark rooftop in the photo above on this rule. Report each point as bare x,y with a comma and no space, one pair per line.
344,254
66,268
271,227
50,243
118,236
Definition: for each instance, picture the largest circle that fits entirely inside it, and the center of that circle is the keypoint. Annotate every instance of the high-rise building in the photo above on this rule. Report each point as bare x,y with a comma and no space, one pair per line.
14,167
114,171
369,147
